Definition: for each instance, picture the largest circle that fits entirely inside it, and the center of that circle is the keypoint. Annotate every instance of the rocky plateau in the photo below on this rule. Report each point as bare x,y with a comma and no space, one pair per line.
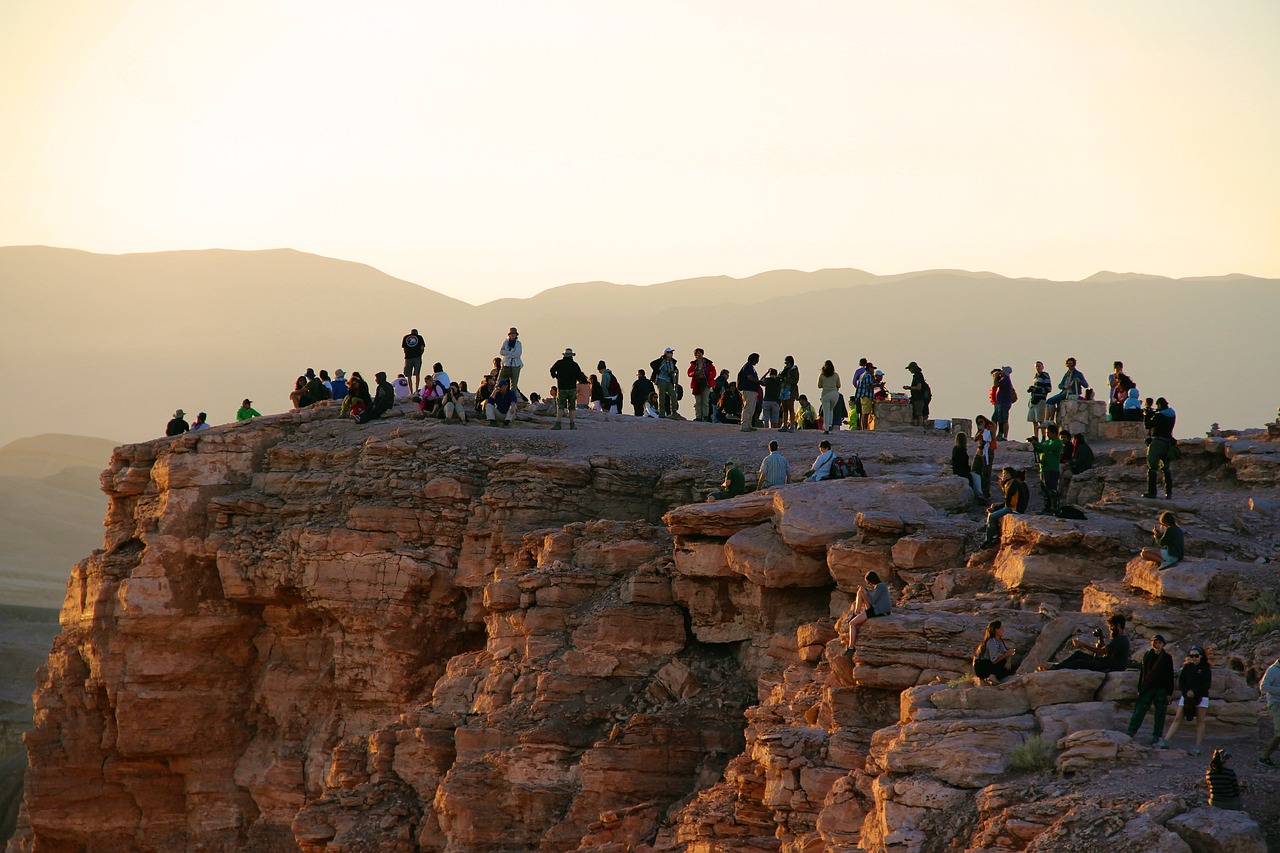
305,635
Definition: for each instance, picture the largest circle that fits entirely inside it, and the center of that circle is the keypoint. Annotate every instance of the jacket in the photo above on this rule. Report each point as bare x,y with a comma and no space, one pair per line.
701,380
1156,672
567,373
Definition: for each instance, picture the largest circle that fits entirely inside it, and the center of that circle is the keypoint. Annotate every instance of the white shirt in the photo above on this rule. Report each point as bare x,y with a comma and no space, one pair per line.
401,388
199,425
821,466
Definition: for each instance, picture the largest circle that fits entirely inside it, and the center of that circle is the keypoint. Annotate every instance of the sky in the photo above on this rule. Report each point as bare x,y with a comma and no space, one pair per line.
497,148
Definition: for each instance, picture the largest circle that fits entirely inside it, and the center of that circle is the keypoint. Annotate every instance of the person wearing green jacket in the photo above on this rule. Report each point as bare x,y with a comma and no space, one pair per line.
1049,457
246,411
735,483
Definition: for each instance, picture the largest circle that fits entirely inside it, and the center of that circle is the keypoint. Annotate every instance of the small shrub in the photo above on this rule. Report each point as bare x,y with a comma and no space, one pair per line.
964,681
1266,615
1032,754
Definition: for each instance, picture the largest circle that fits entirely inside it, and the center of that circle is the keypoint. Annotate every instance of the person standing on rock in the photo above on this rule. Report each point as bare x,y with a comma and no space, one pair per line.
829,391
1194,680
866,605
1103,655
921,395
414,346
749,388
665,374
1016,498
640,391
1048,455
247,411
773,469
1004,396
177,424
771,406
1270,687
510,353
1155,683
610,390
735,483
788,393
1162,449
985,438
702,375
567,374
1037,394
864,393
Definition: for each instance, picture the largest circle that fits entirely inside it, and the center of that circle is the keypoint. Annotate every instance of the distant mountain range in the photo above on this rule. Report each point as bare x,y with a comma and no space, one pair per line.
112,344
51,511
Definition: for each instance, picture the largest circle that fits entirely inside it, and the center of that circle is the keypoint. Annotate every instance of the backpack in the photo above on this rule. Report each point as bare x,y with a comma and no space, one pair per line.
926,393
1070,512
612,388
846,466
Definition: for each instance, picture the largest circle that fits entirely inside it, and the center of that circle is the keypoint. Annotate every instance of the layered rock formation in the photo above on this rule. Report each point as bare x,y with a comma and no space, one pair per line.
302,635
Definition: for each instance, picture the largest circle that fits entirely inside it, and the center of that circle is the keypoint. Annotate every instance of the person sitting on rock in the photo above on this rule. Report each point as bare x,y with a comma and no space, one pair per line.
1102,655
1194,680
993,658
866,605
1170,545
641,389
651,406
1132,410
357,401
247,411
729,406
501,403
806,417
735,483
1224,787
1016,497
821,469
299,396
960,465
773,469
177,424
384,397
1155,683
455,405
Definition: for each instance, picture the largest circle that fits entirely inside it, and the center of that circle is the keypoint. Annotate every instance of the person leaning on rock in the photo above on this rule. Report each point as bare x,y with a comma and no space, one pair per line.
1102,655
735,483
1155,683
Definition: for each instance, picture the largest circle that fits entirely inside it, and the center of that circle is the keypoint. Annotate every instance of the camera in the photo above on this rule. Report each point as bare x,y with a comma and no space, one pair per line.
1098,635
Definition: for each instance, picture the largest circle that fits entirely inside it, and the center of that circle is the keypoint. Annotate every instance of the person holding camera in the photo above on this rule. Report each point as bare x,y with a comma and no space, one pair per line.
1048,454
1103,654
1162,449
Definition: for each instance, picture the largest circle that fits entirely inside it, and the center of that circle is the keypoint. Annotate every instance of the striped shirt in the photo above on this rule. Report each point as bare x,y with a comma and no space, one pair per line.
774,470
865,387
1224,790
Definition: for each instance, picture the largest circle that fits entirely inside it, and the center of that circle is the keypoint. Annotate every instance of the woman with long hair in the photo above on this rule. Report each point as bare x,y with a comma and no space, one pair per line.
1193,696
993,658
788,392
961,468
985,437
829,386
299,396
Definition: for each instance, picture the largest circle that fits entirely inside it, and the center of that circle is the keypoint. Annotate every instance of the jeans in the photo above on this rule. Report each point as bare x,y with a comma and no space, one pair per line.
512,373
1158,460
1152,697
993,522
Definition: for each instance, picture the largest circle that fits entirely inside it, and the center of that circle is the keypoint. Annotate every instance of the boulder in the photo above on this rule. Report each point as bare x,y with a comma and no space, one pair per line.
721,518
1061,687
759,554
811,518
697,557
1210,830
1058,721
848,561
1051,572
962,753
927,550
1091,748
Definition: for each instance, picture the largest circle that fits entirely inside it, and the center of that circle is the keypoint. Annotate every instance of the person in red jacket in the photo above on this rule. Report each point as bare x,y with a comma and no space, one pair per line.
702,375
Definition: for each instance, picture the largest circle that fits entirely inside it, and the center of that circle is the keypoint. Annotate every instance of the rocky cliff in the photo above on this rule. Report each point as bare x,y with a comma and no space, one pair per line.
305,635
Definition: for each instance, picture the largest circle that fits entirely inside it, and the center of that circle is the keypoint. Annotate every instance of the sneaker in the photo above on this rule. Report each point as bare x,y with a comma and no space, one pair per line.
1195,750
1266,762
1149,495
493,423
556,426
1159,743
572,425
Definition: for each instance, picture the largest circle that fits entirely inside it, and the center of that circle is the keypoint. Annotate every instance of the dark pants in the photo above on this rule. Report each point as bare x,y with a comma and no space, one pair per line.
1158,458
1152,697
1082,660
986,669
1049,489
639,409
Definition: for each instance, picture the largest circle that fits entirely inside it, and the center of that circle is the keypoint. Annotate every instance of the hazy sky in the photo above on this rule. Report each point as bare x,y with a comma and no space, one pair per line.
488,149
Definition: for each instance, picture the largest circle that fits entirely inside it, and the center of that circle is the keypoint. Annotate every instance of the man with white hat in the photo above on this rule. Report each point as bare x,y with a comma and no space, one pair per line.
567,375
177,424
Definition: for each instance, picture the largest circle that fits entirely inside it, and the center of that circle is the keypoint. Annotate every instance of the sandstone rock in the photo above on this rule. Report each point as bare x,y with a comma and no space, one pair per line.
812,518
1058,721
849,561
927,550
701,558
1088,748
760,555
962,753
1209,830
1061,687
721,518
1052,572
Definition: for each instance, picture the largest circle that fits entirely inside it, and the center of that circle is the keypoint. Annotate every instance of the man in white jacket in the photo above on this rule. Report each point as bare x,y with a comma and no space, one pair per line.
511,363
1270,687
